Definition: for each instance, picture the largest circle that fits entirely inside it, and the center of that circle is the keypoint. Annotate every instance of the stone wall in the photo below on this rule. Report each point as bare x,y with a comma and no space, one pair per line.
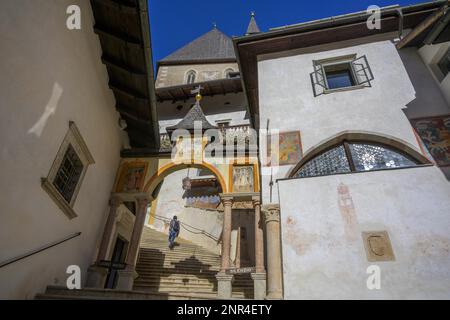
38,55
173,75
323,218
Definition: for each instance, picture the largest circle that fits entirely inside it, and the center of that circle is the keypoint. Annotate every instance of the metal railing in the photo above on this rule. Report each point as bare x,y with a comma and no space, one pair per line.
186,227
231,135
35,251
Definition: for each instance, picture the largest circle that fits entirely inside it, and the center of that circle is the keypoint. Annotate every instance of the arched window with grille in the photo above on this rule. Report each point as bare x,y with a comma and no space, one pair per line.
228,73
190,76
355,156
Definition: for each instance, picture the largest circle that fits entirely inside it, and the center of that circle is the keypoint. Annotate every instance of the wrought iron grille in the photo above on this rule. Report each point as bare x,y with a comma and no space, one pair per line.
68,174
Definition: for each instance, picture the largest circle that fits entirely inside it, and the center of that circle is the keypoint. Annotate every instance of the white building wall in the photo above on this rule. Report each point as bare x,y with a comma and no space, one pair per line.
286,98
324,256
38,55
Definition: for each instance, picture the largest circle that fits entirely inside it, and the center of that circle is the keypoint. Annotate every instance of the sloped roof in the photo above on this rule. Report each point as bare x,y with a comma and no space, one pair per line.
193,115
213,45
122,27
252,26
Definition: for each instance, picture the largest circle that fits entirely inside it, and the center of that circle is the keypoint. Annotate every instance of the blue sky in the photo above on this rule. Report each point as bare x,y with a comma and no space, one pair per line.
174,23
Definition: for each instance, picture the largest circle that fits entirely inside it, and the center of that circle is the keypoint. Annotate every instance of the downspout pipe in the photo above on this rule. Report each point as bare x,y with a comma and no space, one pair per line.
399,11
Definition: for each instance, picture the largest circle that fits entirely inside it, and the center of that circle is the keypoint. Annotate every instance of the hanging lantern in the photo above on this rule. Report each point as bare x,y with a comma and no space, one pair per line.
186,183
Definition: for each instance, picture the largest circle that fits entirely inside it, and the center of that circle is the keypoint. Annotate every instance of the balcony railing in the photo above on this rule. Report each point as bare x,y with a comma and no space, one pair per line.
240,135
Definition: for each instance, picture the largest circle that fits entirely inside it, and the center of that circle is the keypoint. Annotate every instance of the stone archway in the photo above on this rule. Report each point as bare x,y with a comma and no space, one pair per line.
171,167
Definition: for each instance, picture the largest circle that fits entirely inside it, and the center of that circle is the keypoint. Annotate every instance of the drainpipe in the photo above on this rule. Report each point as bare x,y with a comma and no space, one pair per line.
400,22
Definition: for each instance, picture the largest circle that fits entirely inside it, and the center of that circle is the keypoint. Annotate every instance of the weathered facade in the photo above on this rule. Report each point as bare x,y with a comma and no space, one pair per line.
344,197
355,100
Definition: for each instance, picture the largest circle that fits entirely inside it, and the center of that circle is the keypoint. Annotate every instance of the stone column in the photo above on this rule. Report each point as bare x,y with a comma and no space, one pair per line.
97,275
114,203
259,277
224,280
259,237
127,276
226,233
274,276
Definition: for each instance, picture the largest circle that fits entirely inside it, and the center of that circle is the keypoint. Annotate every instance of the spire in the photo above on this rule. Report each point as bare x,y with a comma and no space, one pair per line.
194,114
252,26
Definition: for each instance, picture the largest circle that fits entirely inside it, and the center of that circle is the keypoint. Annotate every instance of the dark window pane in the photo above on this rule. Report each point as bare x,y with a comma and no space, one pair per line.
339,79
68,174
329,162
371,157
444,63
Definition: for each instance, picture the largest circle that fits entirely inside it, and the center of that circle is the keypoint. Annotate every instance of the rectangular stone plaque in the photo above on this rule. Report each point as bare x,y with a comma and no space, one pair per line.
241,270
378,246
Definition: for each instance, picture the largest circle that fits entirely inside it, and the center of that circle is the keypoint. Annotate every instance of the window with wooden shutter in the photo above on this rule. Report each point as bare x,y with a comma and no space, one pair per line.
342,73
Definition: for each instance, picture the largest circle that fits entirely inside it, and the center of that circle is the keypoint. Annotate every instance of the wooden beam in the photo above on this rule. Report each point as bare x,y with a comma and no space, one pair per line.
127,91
115,64
132,115
112,35
122,6
428,22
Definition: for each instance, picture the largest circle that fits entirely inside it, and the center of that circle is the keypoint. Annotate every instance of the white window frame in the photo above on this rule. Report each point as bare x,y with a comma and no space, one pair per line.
73,138
434,65
319,72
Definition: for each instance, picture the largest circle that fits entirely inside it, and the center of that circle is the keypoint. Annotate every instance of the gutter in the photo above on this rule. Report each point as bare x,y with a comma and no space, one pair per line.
341,19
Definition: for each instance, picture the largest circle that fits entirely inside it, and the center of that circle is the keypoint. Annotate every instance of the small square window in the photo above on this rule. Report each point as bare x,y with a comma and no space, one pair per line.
339,76
444,63
340,73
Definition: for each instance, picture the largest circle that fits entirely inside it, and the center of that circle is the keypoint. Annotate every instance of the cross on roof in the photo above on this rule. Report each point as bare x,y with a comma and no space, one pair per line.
197,90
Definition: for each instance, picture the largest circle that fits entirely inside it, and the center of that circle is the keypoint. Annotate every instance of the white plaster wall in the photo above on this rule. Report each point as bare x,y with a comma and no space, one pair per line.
39,52
431,54
286,98
322,261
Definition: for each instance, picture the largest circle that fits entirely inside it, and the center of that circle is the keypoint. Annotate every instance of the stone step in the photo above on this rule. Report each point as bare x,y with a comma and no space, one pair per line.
185,290
206,295
155,252
193,283
188,277
163,250
91,293
191,261
171,269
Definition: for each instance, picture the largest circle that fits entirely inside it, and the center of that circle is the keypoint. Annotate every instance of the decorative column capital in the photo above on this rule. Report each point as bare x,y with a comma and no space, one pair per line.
143,200
271,212
115,201
256,200
227,200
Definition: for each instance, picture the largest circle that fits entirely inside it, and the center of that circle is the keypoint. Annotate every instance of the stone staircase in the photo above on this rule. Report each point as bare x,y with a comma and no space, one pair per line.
186,269
184,273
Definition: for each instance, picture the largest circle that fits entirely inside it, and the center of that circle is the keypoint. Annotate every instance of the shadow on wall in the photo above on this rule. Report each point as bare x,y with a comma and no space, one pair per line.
429,100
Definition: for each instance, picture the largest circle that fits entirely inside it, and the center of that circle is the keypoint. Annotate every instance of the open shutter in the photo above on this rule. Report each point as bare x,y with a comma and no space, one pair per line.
362,70
318,79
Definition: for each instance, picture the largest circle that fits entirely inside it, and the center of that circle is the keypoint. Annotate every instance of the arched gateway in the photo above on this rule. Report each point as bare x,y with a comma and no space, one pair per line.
138,178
